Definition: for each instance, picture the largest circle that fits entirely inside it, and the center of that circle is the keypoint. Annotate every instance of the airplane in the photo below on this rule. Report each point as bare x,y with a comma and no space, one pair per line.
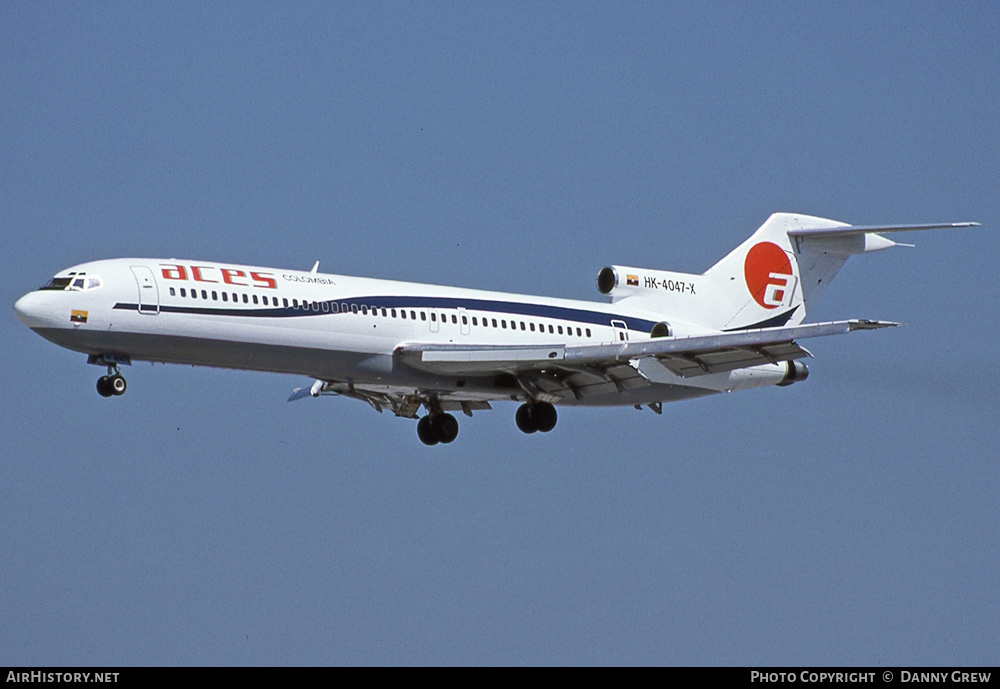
660,336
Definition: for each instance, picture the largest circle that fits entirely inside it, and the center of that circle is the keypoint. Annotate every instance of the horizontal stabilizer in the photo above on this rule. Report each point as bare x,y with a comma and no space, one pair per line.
865,229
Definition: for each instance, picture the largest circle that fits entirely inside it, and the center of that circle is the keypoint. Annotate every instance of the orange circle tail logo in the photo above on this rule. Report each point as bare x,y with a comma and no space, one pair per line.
768,273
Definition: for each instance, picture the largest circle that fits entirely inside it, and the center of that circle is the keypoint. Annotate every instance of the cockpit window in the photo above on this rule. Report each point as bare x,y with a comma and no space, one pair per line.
76,282
57,284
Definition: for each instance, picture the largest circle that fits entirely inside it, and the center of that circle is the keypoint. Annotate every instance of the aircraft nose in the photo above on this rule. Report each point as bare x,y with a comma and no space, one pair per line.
27,309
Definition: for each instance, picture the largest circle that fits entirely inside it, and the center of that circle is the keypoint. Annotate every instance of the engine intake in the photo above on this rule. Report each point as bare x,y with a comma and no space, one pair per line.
607,280
661,329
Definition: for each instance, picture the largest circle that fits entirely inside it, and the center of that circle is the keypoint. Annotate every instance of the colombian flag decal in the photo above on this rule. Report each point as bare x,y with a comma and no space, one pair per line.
78,316
632,280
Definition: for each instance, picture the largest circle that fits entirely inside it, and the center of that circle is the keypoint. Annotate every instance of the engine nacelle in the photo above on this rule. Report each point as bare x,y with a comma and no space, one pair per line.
620,282
796,372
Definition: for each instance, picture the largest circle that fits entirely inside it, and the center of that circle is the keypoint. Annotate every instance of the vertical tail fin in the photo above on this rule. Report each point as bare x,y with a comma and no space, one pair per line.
773,277
761,281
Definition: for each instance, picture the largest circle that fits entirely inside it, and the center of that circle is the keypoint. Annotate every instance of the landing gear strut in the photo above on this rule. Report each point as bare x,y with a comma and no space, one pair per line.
437,428
114,383
540,416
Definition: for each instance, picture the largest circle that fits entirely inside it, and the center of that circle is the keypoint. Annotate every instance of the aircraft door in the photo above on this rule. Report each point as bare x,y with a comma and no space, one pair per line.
463,320
434,322
621,330
149,293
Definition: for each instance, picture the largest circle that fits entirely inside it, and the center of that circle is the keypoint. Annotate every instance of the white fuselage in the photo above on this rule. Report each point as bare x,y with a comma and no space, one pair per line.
328,327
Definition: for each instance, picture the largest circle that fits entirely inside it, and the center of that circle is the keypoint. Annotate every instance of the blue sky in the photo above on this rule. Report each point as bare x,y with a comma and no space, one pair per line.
200,519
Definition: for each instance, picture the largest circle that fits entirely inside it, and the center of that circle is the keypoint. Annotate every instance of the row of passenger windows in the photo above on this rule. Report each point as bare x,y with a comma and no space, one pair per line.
501,323
404,314
214,296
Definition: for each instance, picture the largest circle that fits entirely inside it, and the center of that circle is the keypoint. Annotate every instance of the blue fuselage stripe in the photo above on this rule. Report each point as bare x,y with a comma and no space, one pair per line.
499,308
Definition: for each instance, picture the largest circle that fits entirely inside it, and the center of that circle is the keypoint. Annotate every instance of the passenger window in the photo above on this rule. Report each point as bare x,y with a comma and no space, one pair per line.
325,306
532,325
494,322
204,294
454,319
578,333
551,331
588,332
215,296
503,324
246,299
334,308
403,313
354,308
284,301
393,312
522,325
433,316
364,310
560,330
423,316
465,320
172,292
475,321
183,292
225,296
255,299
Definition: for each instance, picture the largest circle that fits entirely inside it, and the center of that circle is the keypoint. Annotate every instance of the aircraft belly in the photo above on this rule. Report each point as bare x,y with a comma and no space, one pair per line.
202,351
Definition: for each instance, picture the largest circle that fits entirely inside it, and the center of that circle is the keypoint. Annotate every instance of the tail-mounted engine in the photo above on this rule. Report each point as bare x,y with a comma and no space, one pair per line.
619,282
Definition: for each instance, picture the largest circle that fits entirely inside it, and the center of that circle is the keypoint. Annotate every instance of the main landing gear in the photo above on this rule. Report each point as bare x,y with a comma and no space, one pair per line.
540,416
441,427
437,428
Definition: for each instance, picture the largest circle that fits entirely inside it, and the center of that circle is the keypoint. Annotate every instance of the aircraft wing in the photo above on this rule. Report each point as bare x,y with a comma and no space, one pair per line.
553,373
683,356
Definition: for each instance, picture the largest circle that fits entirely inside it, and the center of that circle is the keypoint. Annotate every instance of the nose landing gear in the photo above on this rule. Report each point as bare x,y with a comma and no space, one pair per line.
113,384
